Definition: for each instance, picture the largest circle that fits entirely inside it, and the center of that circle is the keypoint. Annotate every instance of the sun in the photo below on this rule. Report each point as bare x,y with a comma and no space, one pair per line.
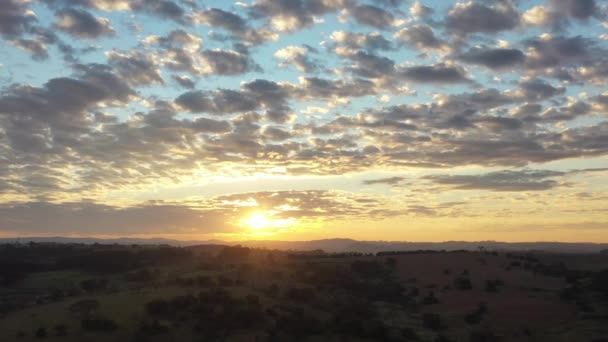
258,221
266,223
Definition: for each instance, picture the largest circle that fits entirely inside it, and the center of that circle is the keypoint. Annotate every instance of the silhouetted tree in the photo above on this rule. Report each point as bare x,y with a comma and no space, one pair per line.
432,321
41,333
463,283
61,330
84,307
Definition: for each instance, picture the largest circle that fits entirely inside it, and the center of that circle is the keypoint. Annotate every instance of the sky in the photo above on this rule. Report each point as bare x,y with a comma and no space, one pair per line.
305,119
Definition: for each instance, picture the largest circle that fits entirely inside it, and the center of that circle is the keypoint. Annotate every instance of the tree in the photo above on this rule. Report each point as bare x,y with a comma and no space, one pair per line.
84,307
98,324
463,283
61,330
431,321
157,307
41,333
430,299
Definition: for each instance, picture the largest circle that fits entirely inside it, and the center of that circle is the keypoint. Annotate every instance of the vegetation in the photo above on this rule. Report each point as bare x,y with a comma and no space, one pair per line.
203,293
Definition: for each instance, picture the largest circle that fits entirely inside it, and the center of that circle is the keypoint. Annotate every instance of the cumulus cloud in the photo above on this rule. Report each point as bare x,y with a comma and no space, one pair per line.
36,48
558,12
494,58
164,9
477,17
288,16
225,62
16,18
196,90
371,15
135,67
298,56
184,81
422,37
349,41
438,73
238,26
83,24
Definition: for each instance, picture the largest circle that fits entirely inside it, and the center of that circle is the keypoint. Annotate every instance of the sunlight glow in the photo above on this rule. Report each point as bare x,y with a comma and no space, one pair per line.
258,221
265,223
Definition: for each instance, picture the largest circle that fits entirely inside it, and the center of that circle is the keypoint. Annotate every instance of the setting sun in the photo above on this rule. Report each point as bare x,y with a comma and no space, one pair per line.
265,223
257,221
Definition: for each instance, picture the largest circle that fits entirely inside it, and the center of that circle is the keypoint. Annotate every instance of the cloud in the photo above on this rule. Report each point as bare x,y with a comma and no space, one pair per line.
507,180
194,89
538,90
388,181
220,101
575,59
15,18
82,24
299,57
217,215
36,48
164,9
44,119
225,62
438,73
494,58
371,15
180,51
289,16
422,37
419,10
369,65
238,26
87,218
135,67
476,17
184,81
558,12
579,9
177,39
348,42
276,134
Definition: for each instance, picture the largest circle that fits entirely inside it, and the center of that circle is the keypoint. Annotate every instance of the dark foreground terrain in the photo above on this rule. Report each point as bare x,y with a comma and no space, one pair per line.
77,292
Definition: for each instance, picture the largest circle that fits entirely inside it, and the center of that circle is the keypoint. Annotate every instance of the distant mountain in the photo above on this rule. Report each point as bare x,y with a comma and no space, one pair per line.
341,245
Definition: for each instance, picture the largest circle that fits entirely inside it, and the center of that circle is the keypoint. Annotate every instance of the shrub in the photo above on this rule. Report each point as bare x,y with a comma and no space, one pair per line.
84,307
205,281
430,299
61,330
600,281
482,336
272,290
157,307
431,321
300,294
41,333
491,286
98,324
154,328
90,285
463,283
223,280
369,269
477,315
234,253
